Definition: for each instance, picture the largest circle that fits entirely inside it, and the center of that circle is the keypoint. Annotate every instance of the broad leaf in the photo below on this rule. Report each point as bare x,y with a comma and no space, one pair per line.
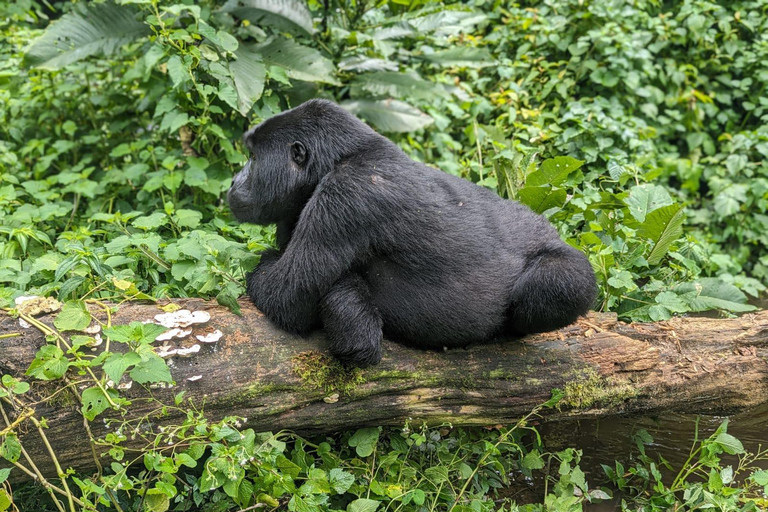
643,199
90,29
663,226
541,199
394,84
553,171
249,74
389,115
462,57
73,317
364,441
363,63
300,62
363,505
94,402
289,15
712,293
50,363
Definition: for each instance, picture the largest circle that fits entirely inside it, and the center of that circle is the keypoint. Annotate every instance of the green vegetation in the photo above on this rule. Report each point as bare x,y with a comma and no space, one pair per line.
638,128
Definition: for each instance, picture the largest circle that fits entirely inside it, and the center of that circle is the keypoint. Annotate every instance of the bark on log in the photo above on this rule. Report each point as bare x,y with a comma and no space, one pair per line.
605,367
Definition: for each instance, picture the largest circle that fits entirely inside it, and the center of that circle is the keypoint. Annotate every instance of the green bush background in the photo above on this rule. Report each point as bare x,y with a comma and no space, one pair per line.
637,127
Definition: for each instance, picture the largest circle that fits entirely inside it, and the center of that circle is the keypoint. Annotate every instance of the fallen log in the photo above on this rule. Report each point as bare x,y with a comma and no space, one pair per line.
280,381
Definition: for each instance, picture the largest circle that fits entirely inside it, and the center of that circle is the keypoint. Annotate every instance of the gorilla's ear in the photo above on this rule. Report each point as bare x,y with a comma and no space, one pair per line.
298,153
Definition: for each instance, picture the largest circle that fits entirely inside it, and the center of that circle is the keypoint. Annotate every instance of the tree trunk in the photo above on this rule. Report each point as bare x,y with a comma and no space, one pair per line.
280,381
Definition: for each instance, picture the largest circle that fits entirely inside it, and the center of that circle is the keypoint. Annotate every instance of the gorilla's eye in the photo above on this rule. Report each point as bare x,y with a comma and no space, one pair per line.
298,153
251,155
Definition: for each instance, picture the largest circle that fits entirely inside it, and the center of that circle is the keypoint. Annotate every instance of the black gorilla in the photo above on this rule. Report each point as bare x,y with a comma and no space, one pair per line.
370,240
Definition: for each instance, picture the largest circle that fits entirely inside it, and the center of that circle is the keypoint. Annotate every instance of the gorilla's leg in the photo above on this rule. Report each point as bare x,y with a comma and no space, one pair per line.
351,321
556,287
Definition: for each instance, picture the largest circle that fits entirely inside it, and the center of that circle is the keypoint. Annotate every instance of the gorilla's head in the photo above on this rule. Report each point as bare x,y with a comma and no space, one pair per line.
288,155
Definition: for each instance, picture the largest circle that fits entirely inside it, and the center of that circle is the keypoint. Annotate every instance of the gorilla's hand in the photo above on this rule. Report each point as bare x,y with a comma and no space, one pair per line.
255,278
264,286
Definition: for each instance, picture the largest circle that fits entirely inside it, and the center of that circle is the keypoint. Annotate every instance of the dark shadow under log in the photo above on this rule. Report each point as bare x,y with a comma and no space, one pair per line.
603,366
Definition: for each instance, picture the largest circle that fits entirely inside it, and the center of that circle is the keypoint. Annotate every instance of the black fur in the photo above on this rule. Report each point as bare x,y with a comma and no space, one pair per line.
370,239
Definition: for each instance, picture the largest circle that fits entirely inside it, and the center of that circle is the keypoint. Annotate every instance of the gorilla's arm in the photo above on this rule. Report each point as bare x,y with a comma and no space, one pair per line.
334,229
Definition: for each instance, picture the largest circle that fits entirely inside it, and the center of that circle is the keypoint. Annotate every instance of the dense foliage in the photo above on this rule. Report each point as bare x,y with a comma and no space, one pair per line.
637,127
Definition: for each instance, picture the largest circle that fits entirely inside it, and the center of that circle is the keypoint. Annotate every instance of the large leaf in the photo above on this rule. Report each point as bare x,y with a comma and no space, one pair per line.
712,293
553,171
663,226
389,115
394,84
88,30
363,63
300,62
643,199
249,74
451,21
289,15
542,198
462,57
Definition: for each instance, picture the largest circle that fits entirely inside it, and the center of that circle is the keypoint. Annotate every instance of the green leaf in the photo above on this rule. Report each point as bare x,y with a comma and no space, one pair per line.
89,29
364,441
4,474
713,293
134,332
50,363
153,369
729,443
72,317
300,62
156,501
94,402
553,171
643,199
249,74
462,56
363,505
340,480
116,364
437,474
178,72
541,199
10,450
760,477
389,115
394,84
288,15
533,460
149,222
5,499
663,227
187,218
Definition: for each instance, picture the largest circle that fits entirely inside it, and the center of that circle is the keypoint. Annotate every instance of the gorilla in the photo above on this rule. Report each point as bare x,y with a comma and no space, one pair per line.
371,243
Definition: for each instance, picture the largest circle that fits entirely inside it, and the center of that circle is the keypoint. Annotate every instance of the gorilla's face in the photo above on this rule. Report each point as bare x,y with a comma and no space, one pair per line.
275,183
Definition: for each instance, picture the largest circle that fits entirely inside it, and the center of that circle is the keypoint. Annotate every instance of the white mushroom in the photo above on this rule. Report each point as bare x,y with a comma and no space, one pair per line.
186,352
212,337
93,329
165,351
125,385
182,318
195,378
173,333
24,324
97,340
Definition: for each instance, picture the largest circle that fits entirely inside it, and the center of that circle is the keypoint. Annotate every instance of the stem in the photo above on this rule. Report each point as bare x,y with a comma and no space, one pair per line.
480,463
48,331
55,460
